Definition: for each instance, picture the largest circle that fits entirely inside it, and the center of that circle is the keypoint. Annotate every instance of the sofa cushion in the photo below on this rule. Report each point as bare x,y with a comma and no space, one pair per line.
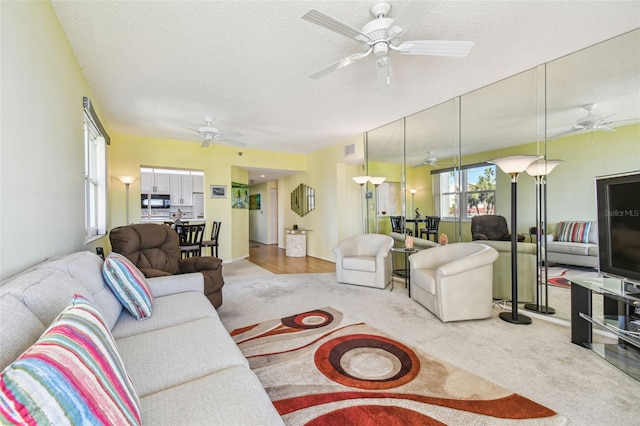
20,328
175,355
46,292
72,375
168,311
128,284
574,232
568,248
239,399
86,268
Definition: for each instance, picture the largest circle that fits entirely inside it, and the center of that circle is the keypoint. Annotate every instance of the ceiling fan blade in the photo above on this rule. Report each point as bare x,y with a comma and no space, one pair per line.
604,128
229,135
205,143
230,142
411,13
454,49
325,21
339,64
566,133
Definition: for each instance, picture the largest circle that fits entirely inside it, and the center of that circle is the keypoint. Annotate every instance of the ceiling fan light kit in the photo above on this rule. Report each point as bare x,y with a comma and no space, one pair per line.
210,134
378,35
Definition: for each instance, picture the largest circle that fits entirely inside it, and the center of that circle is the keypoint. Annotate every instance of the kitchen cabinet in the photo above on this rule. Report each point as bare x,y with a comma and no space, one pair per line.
154,183
181,190
198,183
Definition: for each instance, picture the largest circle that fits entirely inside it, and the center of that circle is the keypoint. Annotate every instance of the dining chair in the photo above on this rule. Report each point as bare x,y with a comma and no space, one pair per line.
213,242
431,228
397,225
190,237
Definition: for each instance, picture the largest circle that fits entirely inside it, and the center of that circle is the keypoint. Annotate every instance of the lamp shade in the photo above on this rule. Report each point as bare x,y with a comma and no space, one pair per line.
516,163
377,180
126,179
361,180
542,167
413,191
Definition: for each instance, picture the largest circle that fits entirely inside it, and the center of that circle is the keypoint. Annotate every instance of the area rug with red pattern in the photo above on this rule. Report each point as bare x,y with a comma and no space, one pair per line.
324,368
560,276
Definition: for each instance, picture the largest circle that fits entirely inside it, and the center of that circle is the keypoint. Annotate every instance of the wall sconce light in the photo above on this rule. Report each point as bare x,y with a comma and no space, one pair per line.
513,166
127,180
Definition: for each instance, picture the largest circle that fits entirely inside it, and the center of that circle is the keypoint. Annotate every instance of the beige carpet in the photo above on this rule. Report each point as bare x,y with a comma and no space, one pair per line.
537,361
322,367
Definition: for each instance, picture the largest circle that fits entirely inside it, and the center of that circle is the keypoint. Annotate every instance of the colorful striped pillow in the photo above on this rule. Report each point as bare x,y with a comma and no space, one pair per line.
128,284
73,375
574,232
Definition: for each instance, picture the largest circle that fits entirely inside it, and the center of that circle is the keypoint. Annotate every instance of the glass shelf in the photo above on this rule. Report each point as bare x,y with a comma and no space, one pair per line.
610,323
624,354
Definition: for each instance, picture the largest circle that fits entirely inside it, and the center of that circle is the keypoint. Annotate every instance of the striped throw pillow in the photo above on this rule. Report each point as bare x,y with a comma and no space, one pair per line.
574,232
73,375
128,284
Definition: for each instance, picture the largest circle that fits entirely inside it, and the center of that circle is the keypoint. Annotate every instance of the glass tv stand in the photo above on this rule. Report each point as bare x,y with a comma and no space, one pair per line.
620,317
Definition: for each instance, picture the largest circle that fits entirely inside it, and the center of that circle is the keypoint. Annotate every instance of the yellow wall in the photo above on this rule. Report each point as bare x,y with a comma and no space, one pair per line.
220,165
570,187
42,151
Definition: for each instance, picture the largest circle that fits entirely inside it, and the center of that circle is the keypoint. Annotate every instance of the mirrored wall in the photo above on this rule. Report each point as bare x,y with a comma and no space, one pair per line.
583,108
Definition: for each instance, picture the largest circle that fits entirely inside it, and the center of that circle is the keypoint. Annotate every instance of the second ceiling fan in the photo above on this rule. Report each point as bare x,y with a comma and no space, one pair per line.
381,36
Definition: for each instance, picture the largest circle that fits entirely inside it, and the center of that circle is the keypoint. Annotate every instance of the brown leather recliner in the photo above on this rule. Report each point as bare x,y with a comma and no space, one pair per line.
155,250
491,227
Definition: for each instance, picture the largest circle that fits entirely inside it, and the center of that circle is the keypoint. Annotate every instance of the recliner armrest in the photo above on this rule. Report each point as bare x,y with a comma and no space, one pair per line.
199,264
153,273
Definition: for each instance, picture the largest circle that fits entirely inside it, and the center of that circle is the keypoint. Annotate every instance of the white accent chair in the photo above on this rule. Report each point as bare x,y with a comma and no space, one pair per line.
364,260
454,281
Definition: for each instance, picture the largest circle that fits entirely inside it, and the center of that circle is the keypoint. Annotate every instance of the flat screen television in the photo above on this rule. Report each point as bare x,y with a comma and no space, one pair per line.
618,202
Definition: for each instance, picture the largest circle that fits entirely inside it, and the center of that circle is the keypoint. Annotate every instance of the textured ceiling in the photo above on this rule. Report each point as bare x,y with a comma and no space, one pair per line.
157,68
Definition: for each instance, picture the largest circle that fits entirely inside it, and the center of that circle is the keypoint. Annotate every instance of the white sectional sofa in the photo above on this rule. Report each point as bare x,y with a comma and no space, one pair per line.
183,364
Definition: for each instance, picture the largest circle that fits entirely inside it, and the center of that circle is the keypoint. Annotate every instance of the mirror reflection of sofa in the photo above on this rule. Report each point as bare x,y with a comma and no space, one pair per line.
573,243
527,267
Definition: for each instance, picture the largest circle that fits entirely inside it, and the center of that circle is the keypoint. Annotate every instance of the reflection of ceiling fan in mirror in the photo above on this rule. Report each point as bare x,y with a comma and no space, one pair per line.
382,34
431,161
590,121
210,134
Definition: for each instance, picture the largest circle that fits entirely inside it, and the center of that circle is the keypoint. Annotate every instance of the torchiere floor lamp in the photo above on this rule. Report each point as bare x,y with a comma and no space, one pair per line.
513,166
539,170
127,180
377,181
361,180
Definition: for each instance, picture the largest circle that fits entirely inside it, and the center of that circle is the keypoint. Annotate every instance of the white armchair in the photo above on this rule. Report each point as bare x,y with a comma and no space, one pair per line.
454,281
364,260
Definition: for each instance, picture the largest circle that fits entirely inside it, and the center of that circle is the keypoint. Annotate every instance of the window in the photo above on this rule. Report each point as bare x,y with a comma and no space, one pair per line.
94,176
476,184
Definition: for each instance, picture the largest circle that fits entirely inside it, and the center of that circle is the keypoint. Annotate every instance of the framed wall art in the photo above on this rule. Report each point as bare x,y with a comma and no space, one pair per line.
218,191
254,202
239,195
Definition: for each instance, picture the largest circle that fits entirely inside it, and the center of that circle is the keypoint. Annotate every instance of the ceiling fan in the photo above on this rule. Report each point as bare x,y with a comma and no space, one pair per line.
381,36
431,160
210,134
590,121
